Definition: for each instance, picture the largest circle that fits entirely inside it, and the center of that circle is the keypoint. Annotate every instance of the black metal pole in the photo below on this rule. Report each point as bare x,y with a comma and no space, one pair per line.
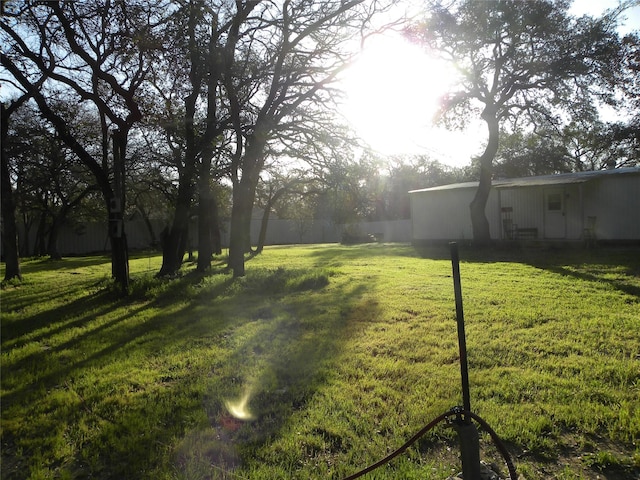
462,343
467,432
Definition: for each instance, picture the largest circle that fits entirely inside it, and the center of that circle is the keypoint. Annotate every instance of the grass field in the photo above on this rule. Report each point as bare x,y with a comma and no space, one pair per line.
334,356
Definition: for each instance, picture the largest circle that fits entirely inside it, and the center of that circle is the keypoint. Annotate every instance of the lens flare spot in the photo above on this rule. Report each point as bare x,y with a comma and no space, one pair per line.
239,408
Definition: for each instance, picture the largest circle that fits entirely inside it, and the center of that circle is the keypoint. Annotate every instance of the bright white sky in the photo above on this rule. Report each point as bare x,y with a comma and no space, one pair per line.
392,94
392,91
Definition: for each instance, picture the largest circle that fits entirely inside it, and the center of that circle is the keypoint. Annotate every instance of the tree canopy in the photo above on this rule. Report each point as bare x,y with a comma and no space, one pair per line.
166,108
521,65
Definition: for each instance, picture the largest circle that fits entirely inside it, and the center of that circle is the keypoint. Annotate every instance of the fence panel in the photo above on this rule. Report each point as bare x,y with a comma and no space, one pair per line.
93,237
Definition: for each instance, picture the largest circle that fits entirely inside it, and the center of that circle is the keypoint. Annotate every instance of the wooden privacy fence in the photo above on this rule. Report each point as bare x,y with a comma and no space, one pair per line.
93,237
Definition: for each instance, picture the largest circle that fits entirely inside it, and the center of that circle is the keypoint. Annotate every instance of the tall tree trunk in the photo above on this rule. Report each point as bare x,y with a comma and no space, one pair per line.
10,228
479,222
174,242
216,238
52,243
119,247
205,244
120,258
119,251
244,194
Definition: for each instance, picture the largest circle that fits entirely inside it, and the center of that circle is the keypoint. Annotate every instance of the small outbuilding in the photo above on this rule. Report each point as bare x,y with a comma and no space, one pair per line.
584,206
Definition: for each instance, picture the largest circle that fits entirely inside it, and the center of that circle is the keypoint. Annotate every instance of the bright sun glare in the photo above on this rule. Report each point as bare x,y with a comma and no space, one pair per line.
392,95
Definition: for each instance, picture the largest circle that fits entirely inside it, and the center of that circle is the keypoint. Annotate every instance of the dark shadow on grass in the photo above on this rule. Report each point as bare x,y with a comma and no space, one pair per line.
591,265
596,265
17,333
294,354
283,365
63,265
107,333
553,460
117,452
196,314
622,286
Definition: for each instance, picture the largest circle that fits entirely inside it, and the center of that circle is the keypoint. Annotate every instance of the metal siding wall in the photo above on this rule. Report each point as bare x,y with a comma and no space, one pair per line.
442,214
616,204
573,211
284,232
614,200
92,239
528,206
493,214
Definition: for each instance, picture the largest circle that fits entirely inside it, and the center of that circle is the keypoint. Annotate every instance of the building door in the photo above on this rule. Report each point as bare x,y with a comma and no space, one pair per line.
555,225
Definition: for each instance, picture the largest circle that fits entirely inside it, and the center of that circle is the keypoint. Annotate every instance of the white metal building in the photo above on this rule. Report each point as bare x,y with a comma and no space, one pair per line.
604,205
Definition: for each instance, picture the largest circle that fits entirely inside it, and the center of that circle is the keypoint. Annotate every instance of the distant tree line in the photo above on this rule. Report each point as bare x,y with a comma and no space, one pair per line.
200,92
206,109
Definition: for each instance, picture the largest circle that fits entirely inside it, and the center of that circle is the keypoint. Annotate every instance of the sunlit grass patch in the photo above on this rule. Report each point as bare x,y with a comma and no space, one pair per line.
282,280
338,354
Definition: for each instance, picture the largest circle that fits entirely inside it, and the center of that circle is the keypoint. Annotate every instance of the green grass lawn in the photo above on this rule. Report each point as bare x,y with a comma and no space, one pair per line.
337,354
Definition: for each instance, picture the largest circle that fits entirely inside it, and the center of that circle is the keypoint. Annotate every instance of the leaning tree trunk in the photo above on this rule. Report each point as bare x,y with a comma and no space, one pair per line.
120,270
262,236
244,194
479,222
60,219
153,239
